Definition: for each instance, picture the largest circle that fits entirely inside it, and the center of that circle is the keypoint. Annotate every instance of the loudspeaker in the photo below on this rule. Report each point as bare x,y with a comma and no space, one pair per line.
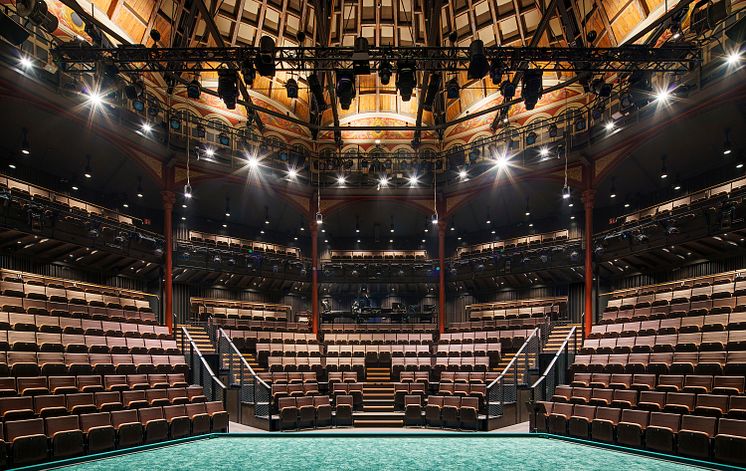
12,31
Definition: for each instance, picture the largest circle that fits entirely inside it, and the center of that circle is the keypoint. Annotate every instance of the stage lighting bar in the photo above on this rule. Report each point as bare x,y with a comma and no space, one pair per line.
673,58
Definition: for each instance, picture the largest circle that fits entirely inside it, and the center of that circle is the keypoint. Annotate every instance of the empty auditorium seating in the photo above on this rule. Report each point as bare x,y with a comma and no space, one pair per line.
220,309
305,412
452,412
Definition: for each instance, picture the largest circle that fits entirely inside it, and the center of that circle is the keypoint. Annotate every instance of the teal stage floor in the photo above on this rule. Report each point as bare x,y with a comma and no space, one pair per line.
408,452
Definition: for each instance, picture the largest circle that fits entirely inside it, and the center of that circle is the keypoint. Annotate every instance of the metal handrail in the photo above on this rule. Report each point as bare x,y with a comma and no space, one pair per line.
561,350
203,363
534,333
221,333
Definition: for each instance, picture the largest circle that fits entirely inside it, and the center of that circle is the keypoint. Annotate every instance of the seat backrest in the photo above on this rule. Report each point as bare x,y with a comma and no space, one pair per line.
123,417
344,399
609,413
634,416
732,427
665,419
435,400
588,412
655,397
472,402
150,413
699,380
321,400
562,408
41,402
284,402
99,419
21,428
197,408
170,412
16,403
62,424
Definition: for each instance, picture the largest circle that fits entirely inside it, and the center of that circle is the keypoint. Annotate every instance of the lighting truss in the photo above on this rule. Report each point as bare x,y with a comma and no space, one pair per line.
671,58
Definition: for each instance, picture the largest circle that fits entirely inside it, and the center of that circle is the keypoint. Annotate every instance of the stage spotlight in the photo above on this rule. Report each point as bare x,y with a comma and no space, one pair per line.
463,174
413,180
194,89
38,13
341,180
228,87
566,192
432,91
473,155
361,56
12,31
385,70
146,128
345,88
434,218
579,123
406,78
265,60
139,193
135,90
544,152
531,138
553,130
507,90
664,171
663,95
292,174
452,89
609,125
188,191
248,72
612,191
531,87
291,87
318,93
478,66
601,88
496,71
727,147
87,172
201,133
25,146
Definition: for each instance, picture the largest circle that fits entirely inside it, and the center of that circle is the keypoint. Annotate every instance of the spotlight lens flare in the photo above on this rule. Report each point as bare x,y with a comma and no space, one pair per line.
26,62
146,127
292,174
734,58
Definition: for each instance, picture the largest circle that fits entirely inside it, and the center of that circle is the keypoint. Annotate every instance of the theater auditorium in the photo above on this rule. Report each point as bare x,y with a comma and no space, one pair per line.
372,234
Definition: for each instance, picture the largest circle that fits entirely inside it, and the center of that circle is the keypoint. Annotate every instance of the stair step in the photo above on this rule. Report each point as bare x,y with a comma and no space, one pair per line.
378,408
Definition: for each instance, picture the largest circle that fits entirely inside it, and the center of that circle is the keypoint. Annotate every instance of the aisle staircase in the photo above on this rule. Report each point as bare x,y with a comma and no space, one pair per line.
200,337
378,401
557,336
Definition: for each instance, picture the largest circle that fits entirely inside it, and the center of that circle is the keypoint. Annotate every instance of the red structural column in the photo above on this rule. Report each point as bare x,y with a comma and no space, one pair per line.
588,197
442,226
169,198
315,277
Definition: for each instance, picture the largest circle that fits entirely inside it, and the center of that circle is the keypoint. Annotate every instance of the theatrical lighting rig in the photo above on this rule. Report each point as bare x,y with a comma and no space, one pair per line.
475,60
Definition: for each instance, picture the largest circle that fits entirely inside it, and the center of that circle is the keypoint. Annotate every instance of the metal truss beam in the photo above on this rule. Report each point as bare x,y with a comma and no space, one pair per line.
679,58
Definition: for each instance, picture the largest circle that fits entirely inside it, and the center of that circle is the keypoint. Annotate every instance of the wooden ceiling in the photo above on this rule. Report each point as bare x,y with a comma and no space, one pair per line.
384,23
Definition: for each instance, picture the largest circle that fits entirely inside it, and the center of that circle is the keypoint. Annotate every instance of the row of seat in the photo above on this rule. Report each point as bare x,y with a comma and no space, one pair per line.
238,326
673,325
32,385
734,363
467,350
646,382
483,336
99,297
282,363
678,308
36,307
468,377
694,436
54,363
463,390
27,341
73,325
715,405
277,377
451,412
295,390
50,405
274,336
690,342
681,290
415,376
377,339
395,350
348,328
405,389
354,390
500,323
288,349
32,441
309,412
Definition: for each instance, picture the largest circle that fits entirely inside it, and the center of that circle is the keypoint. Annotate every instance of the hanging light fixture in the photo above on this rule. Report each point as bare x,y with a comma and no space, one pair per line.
319,216
139,187
87,172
